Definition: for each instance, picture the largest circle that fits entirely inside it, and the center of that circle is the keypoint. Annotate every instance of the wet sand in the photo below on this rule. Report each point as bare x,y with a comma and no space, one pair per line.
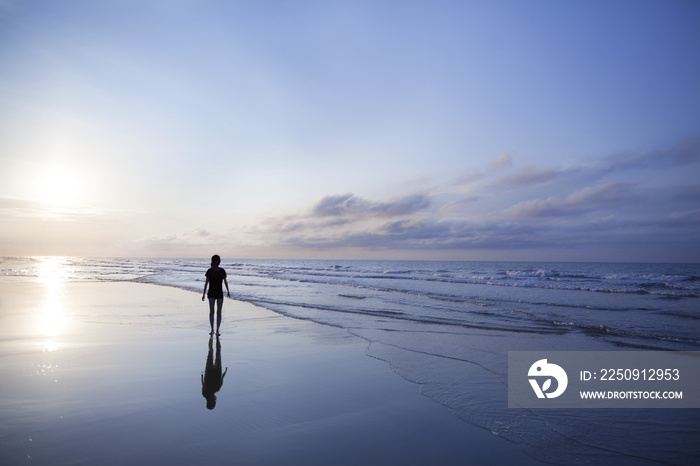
111,373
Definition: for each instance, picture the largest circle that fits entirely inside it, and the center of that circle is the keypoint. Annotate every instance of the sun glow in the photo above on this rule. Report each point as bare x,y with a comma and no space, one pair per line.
60,185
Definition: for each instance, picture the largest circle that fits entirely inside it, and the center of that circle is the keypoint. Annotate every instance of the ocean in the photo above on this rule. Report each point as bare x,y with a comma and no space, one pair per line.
448,327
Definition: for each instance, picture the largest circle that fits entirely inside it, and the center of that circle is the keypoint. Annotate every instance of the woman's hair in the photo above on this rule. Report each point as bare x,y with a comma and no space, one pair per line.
215,260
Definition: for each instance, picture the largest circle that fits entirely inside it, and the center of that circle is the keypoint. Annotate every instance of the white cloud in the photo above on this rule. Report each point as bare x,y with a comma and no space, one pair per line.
503,162
592,197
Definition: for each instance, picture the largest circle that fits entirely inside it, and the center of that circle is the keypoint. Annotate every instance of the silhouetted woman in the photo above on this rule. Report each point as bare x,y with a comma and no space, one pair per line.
215,275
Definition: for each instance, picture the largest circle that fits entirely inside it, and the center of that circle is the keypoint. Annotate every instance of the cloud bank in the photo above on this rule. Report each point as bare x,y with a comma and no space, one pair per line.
580,211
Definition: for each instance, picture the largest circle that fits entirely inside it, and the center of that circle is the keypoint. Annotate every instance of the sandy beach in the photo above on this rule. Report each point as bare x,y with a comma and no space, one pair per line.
111,373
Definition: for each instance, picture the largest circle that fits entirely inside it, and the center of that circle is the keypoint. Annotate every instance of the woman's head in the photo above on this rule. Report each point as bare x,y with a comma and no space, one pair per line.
215,260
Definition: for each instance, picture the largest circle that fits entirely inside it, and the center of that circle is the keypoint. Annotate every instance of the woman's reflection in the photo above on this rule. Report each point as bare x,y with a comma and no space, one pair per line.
212,378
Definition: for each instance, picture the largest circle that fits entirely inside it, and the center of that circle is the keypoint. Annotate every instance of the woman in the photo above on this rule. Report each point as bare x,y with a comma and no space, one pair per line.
215,275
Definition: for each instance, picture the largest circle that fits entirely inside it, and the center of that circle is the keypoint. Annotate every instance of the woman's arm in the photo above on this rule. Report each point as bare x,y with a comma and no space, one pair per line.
205,288
227,292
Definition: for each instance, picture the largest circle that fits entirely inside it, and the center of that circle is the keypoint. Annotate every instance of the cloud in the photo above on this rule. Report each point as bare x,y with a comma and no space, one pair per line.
573,225
335,219
689,216
197,237
592,197
401,206
430,234
21,207
412,229
338,205
527,176
590,218
349,205
14,208
201,233
503,162
457,205
682,153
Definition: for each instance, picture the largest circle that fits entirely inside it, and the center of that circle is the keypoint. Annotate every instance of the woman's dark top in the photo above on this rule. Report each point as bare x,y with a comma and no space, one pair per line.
216,277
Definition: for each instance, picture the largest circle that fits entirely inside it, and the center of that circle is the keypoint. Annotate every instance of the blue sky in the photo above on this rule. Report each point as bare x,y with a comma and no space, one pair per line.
471,130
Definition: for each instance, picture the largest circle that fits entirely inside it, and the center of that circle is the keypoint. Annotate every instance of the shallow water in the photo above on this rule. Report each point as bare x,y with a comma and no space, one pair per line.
98,390
449,326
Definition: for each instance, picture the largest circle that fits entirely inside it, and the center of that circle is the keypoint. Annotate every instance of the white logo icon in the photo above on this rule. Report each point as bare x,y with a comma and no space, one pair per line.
543,369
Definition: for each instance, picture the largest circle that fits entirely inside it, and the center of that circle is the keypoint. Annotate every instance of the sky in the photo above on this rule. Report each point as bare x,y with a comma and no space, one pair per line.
378,129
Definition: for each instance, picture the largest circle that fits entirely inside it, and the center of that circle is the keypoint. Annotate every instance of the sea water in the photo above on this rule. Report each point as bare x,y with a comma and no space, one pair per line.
448,326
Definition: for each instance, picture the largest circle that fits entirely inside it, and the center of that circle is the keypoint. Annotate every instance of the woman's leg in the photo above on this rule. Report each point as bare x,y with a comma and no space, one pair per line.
219,305
211,313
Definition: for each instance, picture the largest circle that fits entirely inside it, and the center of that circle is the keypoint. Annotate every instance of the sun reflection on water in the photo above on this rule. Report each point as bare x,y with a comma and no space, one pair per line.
52,320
